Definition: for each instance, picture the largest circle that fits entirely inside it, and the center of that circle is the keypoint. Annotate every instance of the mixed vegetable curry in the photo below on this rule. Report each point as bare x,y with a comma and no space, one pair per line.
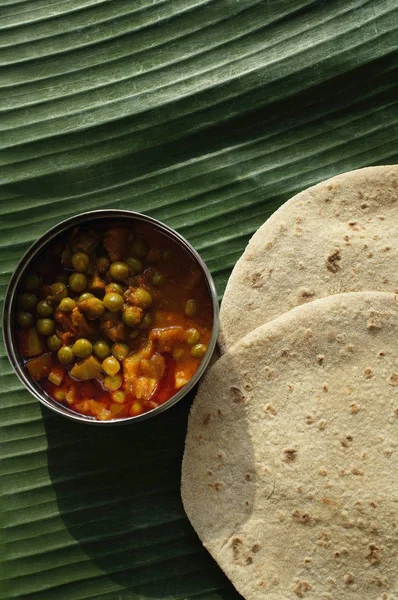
114,322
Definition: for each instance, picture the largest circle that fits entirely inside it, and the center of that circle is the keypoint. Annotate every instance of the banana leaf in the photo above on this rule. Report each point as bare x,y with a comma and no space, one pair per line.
205,114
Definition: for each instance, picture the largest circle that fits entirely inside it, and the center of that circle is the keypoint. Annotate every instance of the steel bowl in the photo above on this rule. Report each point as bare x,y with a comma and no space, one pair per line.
32,256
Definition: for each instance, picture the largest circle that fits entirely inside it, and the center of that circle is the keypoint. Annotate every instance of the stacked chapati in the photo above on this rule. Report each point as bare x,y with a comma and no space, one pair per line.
290,467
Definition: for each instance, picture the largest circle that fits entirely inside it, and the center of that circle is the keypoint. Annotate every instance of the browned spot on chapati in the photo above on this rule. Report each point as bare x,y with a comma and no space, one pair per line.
215,486
305,295
332,261
302,517
236,547
368,373
329,502
393,380
206,419
269,374
237,394
347,441
301,587
289,455
354,225
256,280
256,548
356,471
374,555
270,410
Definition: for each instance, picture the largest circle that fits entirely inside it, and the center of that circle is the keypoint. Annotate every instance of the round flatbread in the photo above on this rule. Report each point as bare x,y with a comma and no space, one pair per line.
290,468
338,236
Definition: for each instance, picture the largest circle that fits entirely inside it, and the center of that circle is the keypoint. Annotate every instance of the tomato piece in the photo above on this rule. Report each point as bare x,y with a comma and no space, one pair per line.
116,243
87,390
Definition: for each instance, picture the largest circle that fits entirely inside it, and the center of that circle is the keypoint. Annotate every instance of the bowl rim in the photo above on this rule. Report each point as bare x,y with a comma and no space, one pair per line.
23,266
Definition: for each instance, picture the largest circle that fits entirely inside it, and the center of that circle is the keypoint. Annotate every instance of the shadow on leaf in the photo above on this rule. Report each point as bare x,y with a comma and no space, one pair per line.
118,493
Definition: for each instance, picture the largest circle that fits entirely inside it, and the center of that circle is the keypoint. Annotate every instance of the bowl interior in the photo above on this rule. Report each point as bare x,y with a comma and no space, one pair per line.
42,248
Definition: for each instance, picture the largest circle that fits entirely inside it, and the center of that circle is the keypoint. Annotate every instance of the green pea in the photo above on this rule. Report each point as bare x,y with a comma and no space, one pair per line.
113,302
67,304
193,336
82,348
142,297
146,322
101,349
44,308
132,315
199,350
119,396
114,288
120,351
158,279
59,290
113,383
139,248
135,264
32,282
111,366
54,343
45,326
93,307
80,262
190,308
24,320
65,356
119,271
77,282
27,302
85,296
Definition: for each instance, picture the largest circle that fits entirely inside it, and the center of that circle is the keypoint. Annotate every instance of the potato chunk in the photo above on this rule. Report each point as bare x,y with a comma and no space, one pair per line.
88,368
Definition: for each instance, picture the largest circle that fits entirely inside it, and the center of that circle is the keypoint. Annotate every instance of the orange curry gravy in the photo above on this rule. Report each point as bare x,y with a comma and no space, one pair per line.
164,349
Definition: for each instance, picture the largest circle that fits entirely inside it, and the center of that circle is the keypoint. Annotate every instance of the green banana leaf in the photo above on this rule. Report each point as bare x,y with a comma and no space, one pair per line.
205,114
